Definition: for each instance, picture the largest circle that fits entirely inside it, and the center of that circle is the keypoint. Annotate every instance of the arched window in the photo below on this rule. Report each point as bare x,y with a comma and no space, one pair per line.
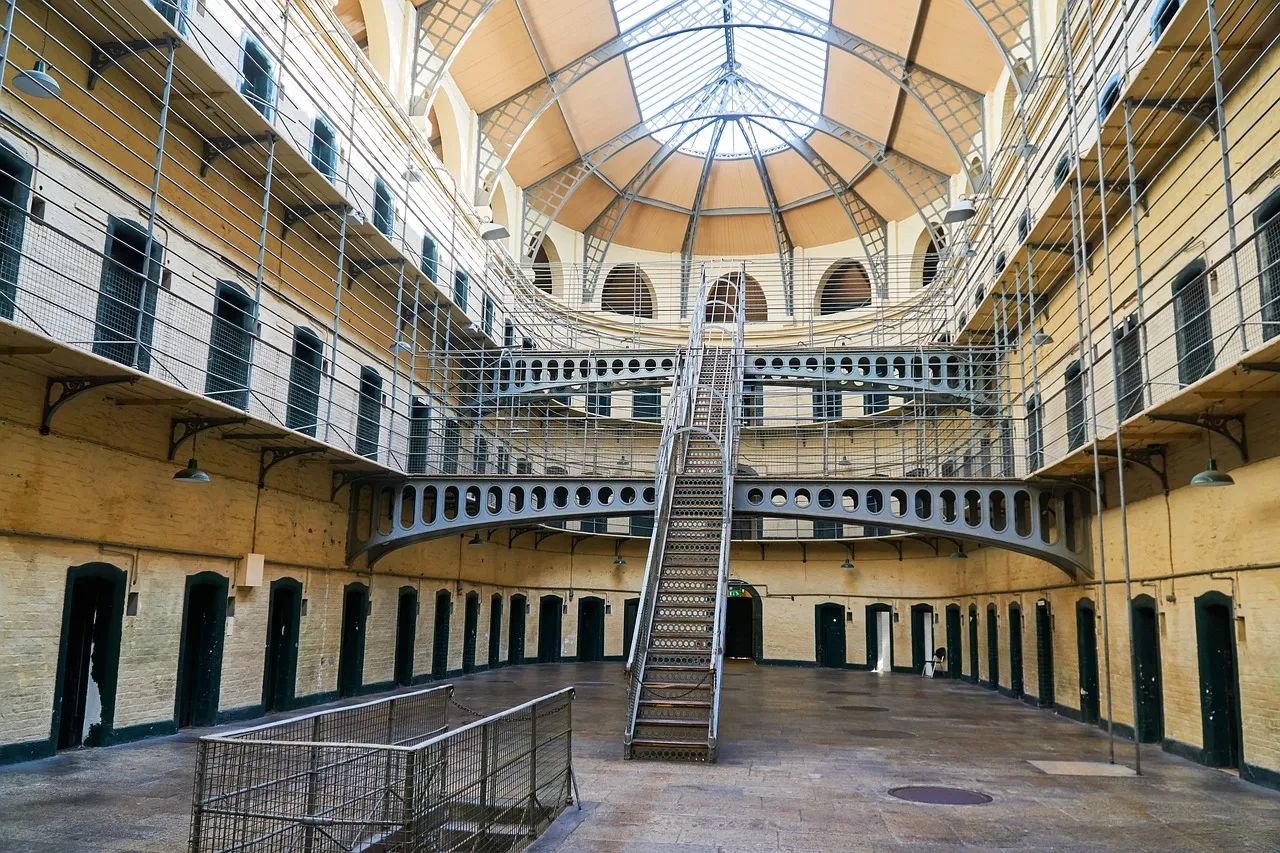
369,413
384,208
419,435
1162,17
542,270
305,369
430,256
844,287
15,191
1267,219
1110,96
627,290
1061,170
927,250
257,75
1193,327
722,300
127,295
230,343
324,147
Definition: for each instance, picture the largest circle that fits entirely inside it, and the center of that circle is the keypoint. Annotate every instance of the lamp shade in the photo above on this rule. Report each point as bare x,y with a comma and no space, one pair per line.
38,82
962,211
191,474
494,231
1211,476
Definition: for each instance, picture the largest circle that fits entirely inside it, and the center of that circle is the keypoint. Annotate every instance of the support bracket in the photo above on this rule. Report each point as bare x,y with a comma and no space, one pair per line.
108,53
1261,366
359,266
1144,456
180,429
1218,424
1199,108
297,213
219,146
344,478
73,386
270,457
1056,248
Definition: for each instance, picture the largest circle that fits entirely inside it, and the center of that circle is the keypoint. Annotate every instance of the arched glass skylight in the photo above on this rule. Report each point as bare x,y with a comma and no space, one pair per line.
673,68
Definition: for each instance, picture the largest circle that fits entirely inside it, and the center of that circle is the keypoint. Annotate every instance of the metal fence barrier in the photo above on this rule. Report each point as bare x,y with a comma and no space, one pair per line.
385,776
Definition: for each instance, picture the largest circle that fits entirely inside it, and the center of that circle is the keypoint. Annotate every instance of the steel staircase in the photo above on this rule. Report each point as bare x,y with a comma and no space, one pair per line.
678,649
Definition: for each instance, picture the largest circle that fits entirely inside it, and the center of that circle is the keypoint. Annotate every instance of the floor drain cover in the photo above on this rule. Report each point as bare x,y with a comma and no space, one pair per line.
882,734
940,796
869,709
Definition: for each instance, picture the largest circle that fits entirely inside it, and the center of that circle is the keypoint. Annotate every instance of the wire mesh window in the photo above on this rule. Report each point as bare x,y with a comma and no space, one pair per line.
230,346
257,75
369,413
384,208
722,301
844,287
753,404
461,289
430,256
828,529
600,403
1073,378
1128,354
1193,323
627,290
15,190
827,405
419,436
1061,170
126,306
1267,218
1035,434
873,403
452,447
646,404
595,525
641,525
173,11
324,147
487,314
306,365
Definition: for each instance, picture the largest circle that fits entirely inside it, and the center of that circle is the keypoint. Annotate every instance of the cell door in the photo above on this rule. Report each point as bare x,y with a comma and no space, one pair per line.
973,644
516,630
739,628
1087,652
1146,669
921,636
15,192
93,610
204,618
830,635
955,663
355,613
281,669
879,642
590,629
440,635
470,632
1015,651
495,632
549,633
1044,653
993,648
406,635
630,612
1219,681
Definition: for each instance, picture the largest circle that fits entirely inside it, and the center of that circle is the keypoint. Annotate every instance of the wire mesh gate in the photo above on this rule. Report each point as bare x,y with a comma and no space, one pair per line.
385,776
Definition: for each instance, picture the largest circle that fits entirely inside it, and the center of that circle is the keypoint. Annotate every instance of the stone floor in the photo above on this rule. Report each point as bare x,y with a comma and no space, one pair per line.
807,758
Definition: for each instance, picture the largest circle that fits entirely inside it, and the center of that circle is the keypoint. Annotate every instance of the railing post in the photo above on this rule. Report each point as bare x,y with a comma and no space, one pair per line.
533,770
410,790
197,799
1220,115
313,779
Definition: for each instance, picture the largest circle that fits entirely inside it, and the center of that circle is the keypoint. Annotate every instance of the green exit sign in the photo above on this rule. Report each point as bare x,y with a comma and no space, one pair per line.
735,592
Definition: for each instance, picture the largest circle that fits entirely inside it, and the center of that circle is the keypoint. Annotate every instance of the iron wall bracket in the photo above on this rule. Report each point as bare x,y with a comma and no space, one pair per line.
270,457
219,146
1145,456
108,53
298,213
1218,424
68,387
180,429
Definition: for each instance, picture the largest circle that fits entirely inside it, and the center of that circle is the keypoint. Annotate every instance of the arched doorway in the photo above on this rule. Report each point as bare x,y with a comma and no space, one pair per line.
1087,652
630,612
1044,654
955,663
406,634
829,635
590,629
515,630
204,622
1015,651
879,638
1149,691
470,631
440,634
550,612
495,631
284,620
84,701
993,647
743,626
355,613
973,643
921,636
1219,680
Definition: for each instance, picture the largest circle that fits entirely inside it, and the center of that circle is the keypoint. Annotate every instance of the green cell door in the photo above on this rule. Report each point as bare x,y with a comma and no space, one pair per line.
590,629
993,647
1219,681
1087,652
204,619
973,643
406,634
630,612
955,662
470,632
495,631
921,636
1149,691
739,628
1044,653
549,633
89,656
515,630
355,614
280,672
1015,651
829,620
440,635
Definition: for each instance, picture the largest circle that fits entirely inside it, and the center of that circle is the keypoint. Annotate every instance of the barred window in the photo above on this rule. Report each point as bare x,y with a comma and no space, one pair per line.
230,346
15,191
1035,434
324,147
1128,354
384,208
430,256
827,405
130,281
257,75
646,404
369,413
305,368
1073,378
1267,220
1193,323
419,435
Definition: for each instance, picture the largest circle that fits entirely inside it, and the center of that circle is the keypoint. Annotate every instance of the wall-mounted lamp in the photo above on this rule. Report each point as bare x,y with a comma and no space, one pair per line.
38,82
961,210
192,473
494,231
1041,339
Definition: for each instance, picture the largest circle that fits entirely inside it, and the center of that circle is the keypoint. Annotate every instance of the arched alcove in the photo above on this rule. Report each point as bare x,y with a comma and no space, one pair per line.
844,286
627,290
722,303
546,276
446,136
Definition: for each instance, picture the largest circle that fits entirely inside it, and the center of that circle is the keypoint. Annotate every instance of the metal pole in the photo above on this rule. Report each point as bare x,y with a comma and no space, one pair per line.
1220,112
155,199
262,260
395,365
1148,389
8,33
337,311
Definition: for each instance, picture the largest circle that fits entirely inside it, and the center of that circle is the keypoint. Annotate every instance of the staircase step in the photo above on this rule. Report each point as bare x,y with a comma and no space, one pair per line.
674,667
660,721
676,685
669,744
675,703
